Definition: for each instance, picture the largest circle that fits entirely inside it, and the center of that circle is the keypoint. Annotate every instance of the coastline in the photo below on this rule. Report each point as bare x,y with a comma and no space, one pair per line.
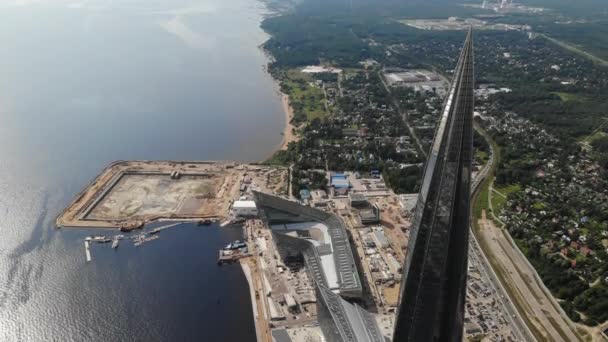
247,271
288,133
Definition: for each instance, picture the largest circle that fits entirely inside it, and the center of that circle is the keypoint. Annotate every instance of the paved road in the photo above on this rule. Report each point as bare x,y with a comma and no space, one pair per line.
536,304
520,329
403,115
574,49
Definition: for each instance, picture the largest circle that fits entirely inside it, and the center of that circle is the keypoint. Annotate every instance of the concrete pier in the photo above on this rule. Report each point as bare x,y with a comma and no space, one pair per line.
231,258
87,248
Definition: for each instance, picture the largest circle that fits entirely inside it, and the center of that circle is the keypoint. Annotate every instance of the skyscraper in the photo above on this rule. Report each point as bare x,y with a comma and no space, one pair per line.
433,287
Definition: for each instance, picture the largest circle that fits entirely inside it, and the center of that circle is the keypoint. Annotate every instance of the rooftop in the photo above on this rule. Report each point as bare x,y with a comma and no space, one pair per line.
351,322
339,263
244,204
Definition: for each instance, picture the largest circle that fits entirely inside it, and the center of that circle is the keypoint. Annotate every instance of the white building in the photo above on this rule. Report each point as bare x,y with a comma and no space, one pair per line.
244,208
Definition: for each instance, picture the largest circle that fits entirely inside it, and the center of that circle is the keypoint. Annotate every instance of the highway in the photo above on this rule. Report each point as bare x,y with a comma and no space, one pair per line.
520,329
574,49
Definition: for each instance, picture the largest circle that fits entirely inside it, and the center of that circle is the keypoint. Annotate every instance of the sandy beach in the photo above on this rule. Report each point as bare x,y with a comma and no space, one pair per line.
288,134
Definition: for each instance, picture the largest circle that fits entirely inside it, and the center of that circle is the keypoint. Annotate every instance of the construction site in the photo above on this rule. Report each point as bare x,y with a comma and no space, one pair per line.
129,194
335,264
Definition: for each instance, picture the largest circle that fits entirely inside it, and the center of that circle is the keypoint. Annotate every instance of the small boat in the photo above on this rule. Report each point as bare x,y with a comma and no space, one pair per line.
155,231
138,240
151,238
115,243
235,245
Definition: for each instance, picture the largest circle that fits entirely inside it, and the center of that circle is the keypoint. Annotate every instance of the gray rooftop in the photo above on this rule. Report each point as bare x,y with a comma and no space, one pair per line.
353,323
276,210
280,335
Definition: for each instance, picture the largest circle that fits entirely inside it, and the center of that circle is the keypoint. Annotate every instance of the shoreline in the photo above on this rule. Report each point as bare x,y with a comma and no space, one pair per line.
84,210
288,131
245,269
287,135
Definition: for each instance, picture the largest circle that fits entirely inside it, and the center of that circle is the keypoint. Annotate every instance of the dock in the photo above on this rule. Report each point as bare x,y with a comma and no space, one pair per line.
167,226
138,239
87,248
230,258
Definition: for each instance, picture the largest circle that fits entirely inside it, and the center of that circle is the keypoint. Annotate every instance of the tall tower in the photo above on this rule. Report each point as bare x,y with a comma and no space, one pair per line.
433,287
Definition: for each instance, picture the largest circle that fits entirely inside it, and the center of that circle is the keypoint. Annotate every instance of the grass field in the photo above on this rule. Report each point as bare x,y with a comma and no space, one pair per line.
305,97
498,201
567,97
481,202
596,136
481,156
481,199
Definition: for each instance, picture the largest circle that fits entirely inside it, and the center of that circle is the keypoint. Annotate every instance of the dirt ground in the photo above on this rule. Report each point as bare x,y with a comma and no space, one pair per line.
139,195
129,192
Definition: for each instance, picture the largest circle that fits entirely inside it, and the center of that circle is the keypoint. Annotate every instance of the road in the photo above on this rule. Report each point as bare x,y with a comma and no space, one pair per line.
520,329
262,329
252,271
574,49
526,291
537,307
289,181
403,115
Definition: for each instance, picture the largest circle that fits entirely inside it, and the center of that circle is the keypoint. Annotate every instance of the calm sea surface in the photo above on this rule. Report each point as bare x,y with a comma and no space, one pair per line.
84,83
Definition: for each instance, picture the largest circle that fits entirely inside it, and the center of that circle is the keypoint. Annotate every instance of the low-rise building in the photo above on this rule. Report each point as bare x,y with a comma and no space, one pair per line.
244,209
370,215
357,200
339,184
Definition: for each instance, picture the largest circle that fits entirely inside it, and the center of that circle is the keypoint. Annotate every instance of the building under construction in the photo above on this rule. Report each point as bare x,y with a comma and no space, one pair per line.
319,240
314,236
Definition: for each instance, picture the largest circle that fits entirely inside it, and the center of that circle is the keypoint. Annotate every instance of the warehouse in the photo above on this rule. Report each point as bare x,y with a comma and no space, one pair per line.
244,209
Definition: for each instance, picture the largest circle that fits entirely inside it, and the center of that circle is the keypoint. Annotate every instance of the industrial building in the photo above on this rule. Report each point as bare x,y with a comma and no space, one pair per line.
244,208
339,184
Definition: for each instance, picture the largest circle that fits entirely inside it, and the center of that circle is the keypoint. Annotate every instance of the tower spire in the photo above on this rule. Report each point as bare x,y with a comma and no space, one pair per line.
433,286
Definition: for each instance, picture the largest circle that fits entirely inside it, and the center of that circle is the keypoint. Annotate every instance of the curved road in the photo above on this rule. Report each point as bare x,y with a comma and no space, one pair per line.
520,329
